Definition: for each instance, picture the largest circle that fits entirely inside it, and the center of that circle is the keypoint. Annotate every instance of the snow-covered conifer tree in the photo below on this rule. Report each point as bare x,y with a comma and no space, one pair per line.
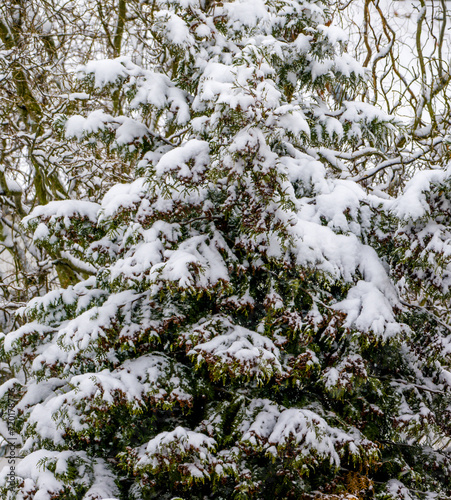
241,333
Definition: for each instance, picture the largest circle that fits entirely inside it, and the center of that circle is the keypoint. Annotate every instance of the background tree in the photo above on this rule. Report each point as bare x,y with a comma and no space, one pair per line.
405,46
41,43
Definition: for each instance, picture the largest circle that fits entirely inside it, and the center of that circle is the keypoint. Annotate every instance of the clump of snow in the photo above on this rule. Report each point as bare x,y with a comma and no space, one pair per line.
65,209
176,30
151,87
189,160
412,203
236,352
105,71
38,481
